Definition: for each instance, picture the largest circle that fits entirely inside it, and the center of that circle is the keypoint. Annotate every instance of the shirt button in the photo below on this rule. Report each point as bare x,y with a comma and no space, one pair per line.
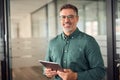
67,42
65,51
64,61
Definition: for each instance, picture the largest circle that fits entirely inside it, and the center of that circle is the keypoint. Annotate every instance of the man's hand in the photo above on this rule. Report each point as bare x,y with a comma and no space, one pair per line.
49,72
67,74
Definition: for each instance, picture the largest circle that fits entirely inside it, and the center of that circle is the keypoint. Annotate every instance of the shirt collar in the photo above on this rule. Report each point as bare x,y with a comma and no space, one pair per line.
73,35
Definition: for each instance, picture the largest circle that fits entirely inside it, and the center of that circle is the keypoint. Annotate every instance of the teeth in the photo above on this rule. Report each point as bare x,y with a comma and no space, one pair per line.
67,23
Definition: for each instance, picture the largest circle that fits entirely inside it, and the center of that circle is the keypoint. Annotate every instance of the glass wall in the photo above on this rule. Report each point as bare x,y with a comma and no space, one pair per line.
118,35
92,24
52,24
39,23
29,38
1,54
118,19
31,32
1,48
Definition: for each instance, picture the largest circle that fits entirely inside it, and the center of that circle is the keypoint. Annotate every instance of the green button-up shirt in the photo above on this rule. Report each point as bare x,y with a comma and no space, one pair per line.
78,52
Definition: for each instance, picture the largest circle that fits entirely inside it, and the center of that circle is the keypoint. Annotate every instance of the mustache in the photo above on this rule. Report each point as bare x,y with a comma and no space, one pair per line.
67,23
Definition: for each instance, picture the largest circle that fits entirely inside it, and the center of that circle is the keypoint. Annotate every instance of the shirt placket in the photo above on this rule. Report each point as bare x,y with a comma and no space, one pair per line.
65,53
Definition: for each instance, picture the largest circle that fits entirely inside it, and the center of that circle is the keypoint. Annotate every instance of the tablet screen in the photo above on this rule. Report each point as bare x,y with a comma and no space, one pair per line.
52,65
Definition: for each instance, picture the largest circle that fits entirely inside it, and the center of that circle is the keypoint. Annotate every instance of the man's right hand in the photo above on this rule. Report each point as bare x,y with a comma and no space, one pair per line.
49,72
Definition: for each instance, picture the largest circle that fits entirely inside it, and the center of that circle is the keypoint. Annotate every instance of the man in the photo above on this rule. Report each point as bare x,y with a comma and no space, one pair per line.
77,53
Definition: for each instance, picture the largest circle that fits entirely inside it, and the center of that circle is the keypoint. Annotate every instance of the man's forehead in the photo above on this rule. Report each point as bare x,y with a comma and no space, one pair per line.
67,11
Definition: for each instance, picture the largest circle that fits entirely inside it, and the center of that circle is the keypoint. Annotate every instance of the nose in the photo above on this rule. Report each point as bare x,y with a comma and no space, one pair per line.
66,19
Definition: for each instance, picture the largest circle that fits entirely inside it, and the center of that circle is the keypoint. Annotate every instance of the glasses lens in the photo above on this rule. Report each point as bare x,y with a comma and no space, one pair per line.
62,17
69,17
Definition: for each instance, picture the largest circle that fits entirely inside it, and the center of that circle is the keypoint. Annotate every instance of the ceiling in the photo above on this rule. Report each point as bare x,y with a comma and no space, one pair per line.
20,8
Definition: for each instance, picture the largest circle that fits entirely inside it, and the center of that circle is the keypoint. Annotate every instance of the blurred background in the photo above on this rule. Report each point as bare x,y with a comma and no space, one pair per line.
34,22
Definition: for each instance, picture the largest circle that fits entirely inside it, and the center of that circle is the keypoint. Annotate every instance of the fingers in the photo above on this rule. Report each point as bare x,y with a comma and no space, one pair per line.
67,70
49,72
67,74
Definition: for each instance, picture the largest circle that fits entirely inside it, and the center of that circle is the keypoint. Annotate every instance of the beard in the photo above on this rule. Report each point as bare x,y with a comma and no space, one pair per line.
68,30
67,27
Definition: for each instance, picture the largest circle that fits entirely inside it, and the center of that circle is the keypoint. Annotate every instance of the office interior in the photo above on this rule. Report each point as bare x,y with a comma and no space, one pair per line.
34,22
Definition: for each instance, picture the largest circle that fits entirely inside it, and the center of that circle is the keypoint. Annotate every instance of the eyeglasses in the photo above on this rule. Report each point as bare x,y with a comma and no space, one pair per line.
62,17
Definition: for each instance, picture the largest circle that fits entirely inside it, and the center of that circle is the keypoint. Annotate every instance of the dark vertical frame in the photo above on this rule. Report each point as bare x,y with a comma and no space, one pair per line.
7,39
56,16
112,71
47,29
5,64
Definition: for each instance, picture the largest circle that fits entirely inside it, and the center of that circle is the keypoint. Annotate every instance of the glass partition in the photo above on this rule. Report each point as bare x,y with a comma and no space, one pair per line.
32,26
92,20
118,29
39,23
1,54
118,36
52,25
29,38
92,24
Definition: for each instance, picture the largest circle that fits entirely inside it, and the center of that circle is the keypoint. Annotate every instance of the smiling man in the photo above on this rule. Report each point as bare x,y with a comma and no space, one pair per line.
78,53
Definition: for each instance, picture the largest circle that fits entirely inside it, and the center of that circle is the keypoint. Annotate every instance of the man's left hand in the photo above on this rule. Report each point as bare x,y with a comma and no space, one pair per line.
67,74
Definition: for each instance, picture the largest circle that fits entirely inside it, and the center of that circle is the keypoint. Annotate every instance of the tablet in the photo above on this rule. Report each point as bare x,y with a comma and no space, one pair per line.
52,65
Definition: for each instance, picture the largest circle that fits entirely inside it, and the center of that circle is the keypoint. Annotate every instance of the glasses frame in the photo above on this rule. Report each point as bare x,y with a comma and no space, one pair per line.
63,17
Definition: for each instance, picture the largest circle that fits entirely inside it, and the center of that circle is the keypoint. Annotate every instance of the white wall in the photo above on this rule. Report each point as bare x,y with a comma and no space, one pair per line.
21,28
